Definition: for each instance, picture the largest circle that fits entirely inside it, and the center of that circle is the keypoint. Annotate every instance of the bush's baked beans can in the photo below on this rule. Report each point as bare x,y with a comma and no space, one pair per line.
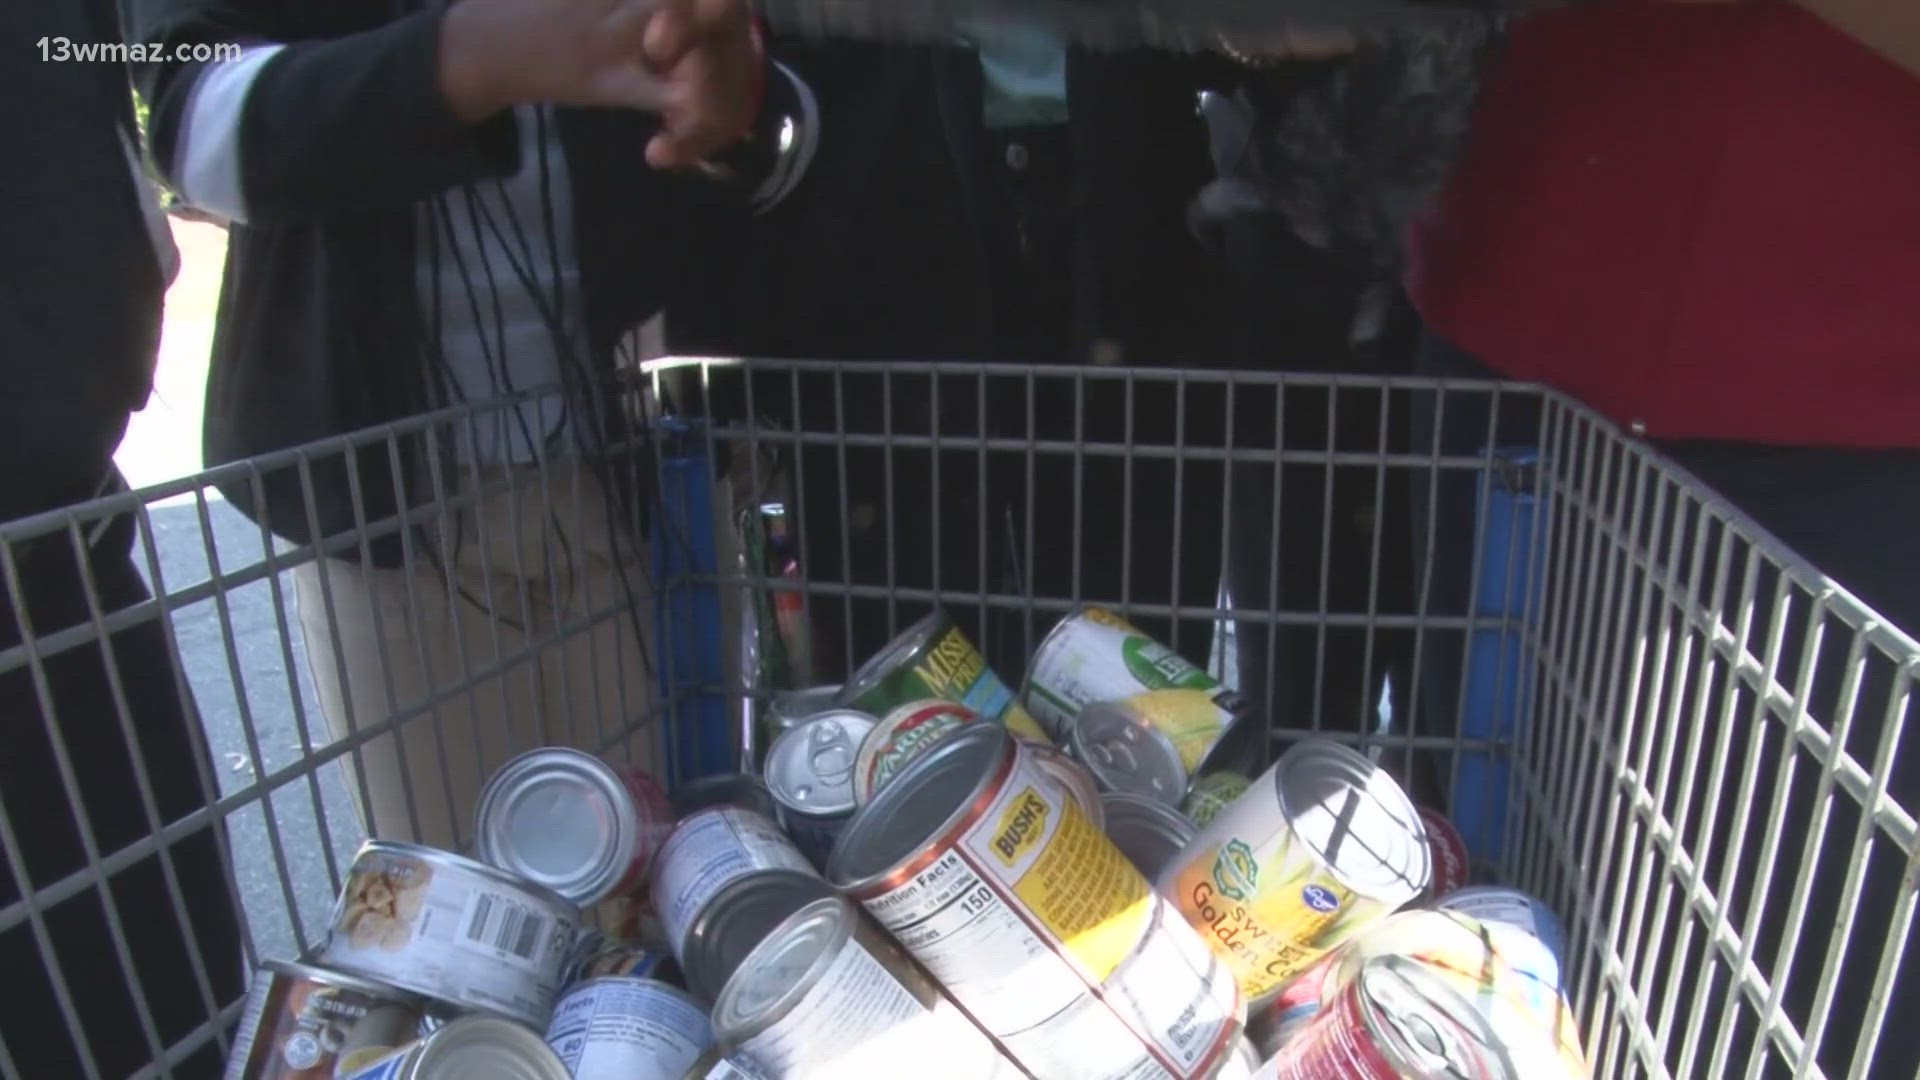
307,1023
826,995
738,918
567,820
627,1029
934,659
467,1049
1095,655
709,851
1211,794
1486,963
810,773
451,929
1076,779
1395,1020
1323,846
901,736
981,864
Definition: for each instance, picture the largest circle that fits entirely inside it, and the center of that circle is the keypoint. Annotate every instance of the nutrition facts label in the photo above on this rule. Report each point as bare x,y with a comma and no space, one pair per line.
710,851
1039,927
623,1030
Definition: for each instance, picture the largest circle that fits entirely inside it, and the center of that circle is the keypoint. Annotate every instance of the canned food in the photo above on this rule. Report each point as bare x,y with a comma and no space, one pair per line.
724,789
1497,905
1476,960
308,1023
1126,755
709,851
1450,869
715,1064
470,1048
600,956
573,823
1147,831
627,1029
934,659
1212,793
809,772
792,706
1281,1018
900,737
826,995
1076,779
738,918
451,929
1321,847
1395,1020
1095,655
981,864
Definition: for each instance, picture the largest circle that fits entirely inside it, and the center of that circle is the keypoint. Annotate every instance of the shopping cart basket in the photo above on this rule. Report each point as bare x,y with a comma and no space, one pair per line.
1641,709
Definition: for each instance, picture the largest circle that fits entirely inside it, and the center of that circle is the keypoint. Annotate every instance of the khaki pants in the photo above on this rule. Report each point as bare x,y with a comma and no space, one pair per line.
510,630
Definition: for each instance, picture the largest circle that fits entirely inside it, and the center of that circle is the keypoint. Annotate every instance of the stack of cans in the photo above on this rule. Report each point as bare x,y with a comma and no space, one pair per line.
926,874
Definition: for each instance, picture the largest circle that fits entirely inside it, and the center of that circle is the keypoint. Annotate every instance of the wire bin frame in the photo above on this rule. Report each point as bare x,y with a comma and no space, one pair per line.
1687,738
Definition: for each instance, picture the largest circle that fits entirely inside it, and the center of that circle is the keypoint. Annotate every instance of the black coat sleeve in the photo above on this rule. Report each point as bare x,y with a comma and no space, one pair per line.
337,118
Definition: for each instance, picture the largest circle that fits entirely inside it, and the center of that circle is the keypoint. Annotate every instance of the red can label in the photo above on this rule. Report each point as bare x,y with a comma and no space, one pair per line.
1335,1045
1450,870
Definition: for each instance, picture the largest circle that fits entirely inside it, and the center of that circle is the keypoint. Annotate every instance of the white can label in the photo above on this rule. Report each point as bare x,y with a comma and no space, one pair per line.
859,1020
1044,931
1098,656
708,852
450,933
620,1030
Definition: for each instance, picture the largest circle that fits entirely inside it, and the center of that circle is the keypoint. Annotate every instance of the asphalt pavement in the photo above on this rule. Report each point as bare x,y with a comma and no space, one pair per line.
247,666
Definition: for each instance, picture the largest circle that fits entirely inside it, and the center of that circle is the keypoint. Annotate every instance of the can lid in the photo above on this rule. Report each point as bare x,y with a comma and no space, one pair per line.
809,768
1356,819
738,918
779,971
917,811
875,671
487,1048
1426,1027
1126,755
562,818
1147,831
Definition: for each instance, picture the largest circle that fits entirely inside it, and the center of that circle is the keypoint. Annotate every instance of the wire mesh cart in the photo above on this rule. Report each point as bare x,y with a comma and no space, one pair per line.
1636,705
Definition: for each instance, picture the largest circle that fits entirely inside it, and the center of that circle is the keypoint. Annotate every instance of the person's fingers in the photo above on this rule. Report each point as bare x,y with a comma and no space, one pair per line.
721,17
671,34
623,32
631,85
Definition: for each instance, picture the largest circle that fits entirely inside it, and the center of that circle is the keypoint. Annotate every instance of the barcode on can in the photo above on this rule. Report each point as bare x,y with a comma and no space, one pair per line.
506,927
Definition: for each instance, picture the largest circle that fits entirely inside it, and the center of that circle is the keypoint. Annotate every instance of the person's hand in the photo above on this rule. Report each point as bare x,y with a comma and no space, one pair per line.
496,54
711,59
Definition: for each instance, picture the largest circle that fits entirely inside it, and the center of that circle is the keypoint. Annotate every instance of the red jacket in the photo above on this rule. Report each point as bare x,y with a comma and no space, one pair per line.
1702,217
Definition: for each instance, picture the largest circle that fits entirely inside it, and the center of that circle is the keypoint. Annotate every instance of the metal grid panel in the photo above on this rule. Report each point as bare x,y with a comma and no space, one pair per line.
1688,703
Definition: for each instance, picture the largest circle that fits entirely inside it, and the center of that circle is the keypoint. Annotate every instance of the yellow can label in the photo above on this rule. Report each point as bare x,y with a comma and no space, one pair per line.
1269,908
1080,886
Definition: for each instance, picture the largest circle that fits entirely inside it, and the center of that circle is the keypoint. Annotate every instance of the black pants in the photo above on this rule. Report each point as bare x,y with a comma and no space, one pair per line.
1850,514
166,752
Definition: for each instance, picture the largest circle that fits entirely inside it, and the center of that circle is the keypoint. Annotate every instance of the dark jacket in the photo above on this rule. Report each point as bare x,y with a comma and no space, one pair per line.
343,133
881,253
81,291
